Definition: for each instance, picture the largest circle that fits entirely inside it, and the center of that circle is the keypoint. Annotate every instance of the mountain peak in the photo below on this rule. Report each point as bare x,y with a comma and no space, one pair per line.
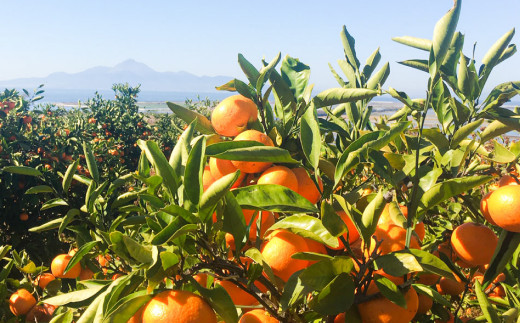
131,65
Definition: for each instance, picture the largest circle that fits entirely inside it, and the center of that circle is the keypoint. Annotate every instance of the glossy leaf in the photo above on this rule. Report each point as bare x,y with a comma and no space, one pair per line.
419,43
91,161
371,64
234,221
220,301
258,153
443,33
507,245
193,171
449,188
126,310
82,251
222,147
51,225
306,226
493,130
490,60
141,253
203,125
379,78
296,74
310,136
171,232
39,189
465,131
75,296
161,165
67,219
336,297
489,311
275,198
390,291
249,70
339,95
181,151
349,48
215,193
22,170
53,203
67,178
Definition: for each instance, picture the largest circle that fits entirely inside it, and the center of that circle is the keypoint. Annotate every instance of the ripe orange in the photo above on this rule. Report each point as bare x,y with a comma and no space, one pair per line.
21,302
386,218
393,238
340,318
306,186
40,313
504,207
474,243
277,252
207,178
353,233
257,316
178,306
86,274
279,175
253,166
137,317
382,310
232,115
448,286
24,216
507,180
44,279
221,167
58,265
238,295
425,304
484,208
427,279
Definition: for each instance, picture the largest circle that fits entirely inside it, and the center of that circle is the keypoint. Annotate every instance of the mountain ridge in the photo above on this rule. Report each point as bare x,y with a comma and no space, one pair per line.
129,71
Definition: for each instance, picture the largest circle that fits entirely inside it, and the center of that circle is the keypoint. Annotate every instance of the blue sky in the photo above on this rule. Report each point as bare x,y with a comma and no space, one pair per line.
204,37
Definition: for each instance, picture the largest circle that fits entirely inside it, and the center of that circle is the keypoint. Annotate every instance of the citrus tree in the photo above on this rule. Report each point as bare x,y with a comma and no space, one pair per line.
301,209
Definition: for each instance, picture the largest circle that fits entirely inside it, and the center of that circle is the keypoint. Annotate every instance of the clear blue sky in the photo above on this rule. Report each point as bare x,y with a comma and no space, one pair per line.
204,37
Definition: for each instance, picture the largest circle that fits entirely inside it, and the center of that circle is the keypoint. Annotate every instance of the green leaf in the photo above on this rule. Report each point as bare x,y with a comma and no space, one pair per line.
181,151
501,154
234,221
371,216
296,75
390,291
172,232
435,136
193,171
22,170
419,43
161,165
141,253
464,132
128,308
66,317
349,47
168,259
332,221
203,125
419,64
249,70
371,64
486,307
508,243
53,203
379,78
432,293
264,72
275,198
493,55
443,33
220,301
215,193
340,95
53,224
221,147
310,136
258,153
449,188
67,178
67,219
306,226
493,130
91,161
82,251
398,263
336,297
39,189
430,263
76,296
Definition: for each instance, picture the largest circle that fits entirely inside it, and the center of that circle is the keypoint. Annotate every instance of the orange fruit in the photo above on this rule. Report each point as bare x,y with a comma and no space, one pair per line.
427,279
386,218
279,175
306,186
316,247
21,302
279,248
221,167
86,274
425,303
44,279
178,306
507,180
253,166
448,286
40,313
137,317
58,265
484,208
232,115
207,178
340,318
257,316
474,243
353,233
202,279
393,238
24,216
238,295
382,310
504,207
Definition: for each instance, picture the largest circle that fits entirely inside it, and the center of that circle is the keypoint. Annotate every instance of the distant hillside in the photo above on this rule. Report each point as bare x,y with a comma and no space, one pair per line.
102,78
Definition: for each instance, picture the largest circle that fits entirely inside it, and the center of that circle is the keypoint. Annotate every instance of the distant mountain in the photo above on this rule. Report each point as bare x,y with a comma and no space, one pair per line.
102,78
